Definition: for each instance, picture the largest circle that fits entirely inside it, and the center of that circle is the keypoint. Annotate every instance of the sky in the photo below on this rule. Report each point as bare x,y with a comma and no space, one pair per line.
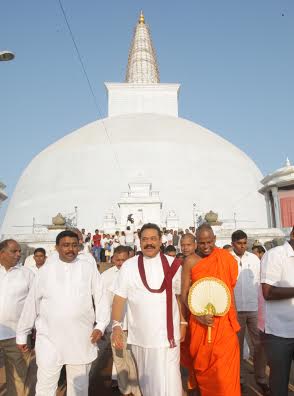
234,60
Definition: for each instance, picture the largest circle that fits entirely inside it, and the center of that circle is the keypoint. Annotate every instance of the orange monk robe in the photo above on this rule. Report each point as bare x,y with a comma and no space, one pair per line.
215,367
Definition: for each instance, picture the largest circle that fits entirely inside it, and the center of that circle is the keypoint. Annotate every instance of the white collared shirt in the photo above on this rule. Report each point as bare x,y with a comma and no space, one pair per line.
246,289
146,311
108,278
14,288
277,269
60,304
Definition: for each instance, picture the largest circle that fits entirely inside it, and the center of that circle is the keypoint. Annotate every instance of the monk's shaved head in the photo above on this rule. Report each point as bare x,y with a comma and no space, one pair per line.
188,236
205,240
205,227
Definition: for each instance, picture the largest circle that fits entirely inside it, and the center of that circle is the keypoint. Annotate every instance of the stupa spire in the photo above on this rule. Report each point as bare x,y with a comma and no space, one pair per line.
142,64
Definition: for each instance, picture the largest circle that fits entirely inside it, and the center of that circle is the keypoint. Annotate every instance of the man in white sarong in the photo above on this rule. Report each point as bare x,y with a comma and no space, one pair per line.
149,284
61,306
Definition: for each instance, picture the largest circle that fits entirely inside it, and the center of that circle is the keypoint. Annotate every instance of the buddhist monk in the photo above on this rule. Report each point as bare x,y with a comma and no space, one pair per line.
214,368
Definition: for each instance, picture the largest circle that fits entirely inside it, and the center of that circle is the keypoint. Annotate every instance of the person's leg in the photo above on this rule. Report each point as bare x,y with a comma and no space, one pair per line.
99,254
16,366
242,319
77,376
126,370
158,370
259,358
47,380
279,353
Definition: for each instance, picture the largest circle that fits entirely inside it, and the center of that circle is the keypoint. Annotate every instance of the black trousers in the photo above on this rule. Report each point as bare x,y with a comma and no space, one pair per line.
280,353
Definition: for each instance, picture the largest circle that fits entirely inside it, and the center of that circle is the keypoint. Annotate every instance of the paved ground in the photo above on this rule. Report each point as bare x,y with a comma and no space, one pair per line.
100,384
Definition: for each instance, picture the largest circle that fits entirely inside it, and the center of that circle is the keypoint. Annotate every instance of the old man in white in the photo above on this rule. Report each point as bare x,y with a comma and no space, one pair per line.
65,302
149,284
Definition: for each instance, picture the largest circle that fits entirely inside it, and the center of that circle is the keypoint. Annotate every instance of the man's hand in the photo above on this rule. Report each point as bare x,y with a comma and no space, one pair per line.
183,330
96,336
117,337
206,320
22,348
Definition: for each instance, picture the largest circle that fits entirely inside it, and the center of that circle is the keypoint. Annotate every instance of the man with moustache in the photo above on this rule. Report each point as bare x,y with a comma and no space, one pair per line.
15,283
149,285
61,307
214,368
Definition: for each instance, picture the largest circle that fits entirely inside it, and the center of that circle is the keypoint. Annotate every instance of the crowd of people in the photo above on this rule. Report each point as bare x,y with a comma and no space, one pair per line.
137,313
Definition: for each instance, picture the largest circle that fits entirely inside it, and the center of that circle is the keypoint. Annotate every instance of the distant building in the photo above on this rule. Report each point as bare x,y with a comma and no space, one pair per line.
278,189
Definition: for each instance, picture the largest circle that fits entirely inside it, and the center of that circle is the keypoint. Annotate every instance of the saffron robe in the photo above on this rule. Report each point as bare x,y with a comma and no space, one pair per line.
215,367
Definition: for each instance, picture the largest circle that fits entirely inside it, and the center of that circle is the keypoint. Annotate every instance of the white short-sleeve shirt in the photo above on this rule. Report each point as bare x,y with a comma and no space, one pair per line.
14,288
246,289
277,269
146,311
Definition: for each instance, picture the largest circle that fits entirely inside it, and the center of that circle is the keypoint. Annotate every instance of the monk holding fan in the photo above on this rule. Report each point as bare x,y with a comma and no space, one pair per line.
212,349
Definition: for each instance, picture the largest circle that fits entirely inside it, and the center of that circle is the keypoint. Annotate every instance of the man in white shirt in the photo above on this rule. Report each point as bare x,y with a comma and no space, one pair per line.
123,360
61,306
39,258
149,284
15,283
277,279
130,238
246,297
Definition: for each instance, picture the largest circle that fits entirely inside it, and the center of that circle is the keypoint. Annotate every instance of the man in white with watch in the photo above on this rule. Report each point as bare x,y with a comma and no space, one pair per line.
150,285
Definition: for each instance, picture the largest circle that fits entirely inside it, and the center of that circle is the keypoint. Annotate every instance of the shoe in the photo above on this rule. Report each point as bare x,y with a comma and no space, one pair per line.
264,387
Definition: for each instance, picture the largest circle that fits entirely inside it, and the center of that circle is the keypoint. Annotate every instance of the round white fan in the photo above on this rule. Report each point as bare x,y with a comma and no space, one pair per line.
209,296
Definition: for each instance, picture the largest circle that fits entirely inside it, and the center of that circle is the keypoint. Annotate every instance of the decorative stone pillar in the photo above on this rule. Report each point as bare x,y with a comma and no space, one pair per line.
274,191
268,210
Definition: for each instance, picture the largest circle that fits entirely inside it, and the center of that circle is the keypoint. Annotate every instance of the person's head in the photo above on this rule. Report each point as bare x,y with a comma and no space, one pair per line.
96,232
205,239
87,239
229,248
83,231
131,251
187,231
239,242
108,236
10,253
117,233
120,255
128,228
170,251
188,244
180,256
123,233
67,245
150,239
40,256
175,232
258,251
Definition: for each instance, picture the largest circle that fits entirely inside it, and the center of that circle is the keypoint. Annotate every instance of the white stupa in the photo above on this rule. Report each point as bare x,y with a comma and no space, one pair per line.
141,141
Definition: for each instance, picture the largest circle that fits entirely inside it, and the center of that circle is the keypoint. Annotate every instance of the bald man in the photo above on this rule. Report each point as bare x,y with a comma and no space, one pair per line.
215,367
188,246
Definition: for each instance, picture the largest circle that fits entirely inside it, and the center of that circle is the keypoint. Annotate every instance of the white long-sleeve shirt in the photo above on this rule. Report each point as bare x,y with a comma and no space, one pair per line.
246,289
14,288
60,304
109,278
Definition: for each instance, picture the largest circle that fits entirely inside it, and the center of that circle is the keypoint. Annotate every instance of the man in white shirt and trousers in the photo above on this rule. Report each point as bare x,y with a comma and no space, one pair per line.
277,326
15,283
149,284
123,360
246,297
61,306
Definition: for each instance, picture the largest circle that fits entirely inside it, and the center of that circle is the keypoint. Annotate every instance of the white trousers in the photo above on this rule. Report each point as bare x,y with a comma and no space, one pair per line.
77,380
158,370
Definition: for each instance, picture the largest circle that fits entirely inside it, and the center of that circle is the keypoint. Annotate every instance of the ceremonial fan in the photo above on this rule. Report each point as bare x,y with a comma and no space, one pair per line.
209,296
